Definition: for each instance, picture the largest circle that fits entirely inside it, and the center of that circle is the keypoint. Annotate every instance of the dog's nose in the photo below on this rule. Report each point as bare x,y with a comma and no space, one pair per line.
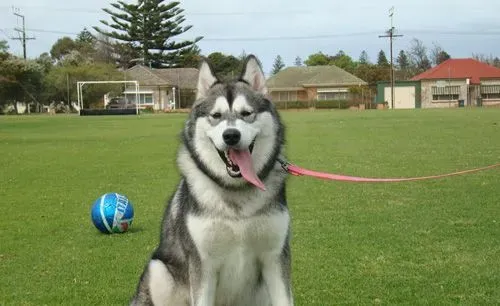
231,136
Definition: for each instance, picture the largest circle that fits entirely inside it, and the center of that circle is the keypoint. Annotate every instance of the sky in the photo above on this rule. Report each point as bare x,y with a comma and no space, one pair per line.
289,28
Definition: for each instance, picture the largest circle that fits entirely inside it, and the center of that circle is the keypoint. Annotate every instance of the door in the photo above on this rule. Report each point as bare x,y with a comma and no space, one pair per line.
404,97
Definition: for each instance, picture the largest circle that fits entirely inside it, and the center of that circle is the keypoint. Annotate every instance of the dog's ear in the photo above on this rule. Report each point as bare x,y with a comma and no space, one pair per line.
206,79
253,74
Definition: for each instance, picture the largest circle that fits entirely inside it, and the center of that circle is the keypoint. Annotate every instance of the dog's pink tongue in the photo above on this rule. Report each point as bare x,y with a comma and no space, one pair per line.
244,160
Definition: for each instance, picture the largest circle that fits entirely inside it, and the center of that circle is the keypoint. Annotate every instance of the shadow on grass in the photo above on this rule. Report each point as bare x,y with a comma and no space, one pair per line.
131,231
135,229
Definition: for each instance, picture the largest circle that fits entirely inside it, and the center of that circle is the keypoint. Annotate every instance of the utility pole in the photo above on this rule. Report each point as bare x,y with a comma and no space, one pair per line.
391,35
67,89
21,31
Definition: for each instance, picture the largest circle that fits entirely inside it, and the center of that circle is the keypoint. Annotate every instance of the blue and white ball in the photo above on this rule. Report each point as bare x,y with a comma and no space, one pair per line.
112,213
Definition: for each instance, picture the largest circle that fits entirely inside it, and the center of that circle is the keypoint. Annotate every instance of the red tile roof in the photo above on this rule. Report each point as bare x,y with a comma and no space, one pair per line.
460,68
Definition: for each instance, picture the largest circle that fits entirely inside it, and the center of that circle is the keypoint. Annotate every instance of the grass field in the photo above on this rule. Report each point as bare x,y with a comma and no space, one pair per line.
430,242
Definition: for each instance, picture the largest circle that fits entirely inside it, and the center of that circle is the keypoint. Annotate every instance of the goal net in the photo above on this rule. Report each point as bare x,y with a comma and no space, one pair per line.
134,92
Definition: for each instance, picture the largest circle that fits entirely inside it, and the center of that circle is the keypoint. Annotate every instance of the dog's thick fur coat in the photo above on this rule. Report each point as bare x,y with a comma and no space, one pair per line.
224,241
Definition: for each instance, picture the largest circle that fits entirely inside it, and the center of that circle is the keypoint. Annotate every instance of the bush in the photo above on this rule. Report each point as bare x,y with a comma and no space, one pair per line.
147,110
8,109
291,104
332,104
62,108
339,104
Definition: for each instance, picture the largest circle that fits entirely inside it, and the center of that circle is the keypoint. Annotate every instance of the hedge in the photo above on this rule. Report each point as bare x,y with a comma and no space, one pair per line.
339,104
292,104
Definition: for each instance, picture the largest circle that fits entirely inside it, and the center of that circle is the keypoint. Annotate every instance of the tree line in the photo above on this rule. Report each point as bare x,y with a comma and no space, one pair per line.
407,63
147,33
142,33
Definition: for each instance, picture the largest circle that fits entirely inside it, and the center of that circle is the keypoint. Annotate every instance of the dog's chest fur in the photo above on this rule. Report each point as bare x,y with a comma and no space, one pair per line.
235,248
218,238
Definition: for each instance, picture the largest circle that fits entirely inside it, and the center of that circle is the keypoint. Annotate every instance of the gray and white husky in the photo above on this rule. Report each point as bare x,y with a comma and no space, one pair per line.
225,237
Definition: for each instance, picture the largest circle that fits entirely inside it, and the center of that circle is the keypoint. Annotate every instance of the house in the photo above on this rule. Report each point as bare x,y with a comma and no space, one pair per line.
162,88
453,83
459,82
309,83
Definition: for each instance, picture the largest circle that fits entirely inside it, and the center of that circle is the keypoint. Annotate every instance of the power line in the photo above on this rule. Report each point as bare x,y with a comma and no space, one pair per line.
190,13
197,13
326,36
305,37
52,31
461,33
5,33
391,35
186,12
287,37
245,13
56,9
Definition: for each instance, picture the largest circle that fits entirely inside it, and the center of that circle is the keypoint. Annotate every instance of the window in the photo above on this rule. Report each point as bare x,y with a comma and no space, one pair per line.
491,96
333,94
284,95
144,98
445,93
446,97
148,98
490,91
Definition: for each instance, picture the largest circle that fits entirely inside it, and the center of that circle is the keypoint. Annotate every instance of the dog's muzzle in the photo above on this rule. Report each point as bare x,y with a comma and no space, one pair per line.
232,137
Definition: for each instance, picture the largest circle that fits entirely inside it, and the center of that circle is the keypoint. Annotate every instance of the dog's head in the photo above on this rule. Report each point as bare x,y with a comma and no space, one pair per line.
234,133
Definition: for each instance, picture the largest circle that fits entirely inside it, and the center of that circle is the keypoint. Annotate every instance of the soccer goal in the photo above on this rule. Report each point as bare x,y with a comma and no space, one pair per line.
81,84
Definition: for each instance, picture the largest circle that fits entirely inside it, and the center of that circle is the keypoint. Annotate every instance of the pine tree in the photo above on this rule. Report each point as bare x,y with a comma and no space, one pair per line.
190,57
402,60
278,65
85,37
150,26
363,58
382,59
85,43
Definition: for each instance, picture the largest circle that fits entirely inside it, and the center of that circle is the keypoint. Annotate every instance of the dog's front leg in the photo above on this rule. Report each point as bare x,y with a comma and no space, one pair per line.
276,273
203,281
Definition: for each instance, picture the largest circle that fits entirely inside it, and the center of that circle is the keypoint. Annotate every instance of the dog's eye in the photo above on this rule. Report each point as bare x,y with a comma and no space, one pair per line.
216,115
245,113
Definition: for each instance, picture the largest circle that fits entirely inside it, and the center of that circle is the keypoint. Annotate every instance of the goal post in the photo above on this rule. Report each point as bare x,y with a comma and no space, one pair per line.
79,92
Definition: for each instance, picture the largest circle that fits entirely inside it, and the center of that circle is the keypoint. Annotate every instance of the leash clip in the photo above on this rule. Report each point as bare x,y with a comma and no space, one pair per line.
284,164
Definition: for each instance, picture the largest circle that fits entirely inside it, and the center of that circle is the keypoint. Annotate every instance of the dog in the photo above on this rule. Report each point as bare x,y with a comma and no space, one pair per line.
225,234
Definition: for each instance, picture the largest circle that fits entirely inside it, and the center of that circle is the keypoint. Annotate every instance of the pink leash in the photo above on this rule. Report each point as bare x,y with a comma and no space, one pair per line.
298,171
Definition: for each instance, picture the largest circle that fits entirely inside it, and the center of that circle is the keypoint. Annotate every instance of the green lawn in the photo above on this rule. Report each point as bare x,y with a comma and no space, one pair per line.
429,242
